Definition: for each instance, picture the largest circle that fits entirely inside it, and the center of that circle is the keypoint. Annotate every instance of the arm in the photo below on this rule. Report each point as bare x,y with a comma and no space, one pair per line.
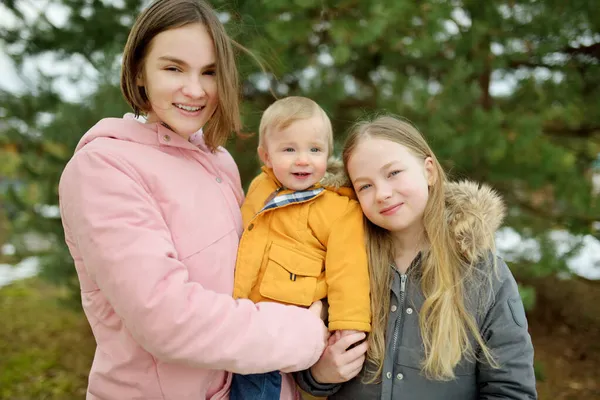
347,273
127,250
505,332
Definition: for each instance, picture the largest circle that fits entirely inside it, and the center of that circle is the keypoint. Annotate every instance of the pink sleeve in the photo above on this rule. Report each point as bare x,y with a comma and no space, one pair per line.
127,250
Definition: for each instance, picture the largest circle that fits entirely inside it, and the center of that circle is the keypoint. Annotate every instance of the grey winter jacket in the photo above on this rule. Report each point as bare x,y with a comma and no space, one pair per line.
502,323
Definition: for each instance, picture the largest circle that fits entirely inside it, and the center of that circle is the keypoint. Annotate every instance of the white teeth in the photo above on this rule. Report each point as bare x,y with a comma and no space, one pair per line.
187,108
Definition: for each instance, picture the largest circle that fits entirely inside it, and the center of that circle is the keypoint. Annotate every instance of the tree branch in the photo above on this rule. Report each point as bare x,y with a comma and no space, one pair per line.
581,132
532,64
545,213
592,50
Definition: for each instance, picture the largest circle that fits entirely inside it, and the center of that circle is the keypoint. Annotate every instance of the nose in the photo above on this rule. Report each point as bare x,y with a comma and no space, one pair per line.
382,192
301,159
193,88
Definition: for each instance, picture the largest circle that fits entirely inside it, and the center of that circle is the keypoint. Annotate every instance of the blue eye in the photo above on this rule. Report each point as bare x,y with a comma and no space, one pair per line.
288,150
315,150
363,187
394,173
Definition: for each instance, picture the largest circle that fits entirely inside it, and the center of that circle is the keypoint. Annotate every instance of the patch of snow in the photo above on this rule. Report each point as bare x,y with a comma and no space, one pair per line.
586,262
25,269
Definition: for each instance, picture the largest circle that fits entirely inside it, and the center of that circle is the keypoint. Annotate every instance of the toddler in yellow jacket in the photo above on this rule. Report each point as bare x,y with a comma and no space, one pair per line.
303,235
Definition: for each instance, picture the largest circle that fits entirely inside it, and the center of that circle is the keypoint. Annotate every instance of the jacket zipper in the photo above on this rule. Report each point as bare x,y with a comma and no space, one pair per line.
399,317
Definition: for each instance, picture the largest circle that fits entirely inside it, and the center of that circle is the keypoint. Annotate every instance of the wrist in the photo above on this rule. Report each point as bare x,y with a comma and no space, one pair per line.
316,376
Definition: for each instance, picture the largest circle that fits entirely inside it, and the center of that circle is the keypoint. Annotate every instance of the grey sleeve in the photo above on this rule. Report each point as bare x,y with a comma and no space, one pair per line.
307,382
505,331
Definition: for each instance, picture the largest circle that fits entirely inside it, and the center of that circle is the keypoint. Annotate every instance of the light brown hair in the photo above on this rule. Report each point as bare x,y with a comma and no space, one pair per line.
284,112
163,15
445,320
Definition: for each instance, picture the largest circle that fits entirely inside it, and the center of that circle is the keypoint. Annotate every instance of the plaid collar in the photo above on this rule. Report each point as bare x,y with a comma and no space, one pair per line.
291,198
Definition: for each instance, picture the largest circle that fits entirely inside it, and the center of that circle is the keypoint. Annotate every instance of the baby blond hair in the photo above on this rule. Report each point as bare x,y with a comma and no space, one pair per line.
284,112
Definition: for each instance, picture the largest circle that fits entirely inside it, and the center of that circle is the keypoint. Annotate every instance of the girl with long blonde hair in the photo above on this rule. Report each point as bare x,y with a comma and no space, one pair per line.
448,321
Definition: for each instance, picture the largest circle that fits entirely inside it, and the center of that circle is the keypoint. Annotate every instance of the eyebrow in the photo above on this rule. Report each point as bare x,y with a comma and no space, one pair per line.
386,166
181,62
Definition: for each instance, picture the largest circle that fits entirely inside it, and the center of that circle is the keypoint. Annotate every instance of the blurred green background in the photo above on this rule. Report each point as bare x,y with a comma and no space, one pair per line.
507,92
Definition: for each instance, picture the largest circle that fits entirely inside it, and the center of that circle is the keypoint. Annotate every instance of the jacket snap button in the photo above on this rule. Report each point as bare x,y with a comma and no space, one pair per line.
400,377
250,227
389,375
409,310
167,138
394,308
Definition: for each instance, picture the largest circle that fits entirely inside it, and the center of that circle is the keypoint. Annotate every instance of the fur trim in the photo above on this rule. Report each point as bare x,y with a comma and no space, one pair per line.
335,177
474,213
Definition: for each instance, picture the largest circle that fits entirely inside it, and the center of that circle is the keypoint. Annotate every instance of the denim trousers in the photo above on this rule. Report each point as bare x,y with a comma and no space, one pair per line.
265,386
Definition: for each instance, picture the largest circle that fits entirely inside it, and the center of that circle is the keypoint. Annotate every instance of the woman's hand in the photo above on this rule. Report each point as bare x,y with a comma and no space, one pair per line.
337,364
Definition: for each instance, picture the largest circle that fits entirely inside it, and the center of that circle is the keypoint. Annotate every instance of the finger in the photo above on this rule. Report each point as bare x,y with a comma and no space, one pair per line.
352,369
349,340
332,339
356,352
316,308
353,373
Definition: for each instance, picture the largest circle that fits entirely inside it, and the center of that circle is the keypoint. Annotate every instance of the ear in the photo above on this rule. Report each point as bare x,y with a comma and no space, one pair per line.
264,157
430,171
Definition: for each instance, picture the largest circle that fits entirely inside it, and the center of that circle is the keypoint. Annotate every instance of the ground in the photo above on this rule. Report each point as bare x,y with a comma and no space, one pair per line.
565,328
46,348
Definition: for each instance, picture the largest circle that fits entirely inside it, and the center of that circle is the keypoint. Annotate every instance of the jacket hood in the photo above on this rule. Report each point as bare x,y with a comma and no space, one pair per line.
131,129
335,176
474,213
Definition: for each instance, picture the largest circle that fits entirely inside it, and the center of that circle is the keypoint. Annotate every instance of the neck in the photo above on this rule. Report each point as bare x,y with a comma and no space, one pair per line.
407,244
153,119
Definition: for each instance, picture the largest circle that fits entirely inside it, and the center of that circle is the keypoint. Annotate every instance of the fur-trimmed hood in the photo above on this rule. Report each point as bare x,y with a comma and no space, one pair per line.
474,211
335,176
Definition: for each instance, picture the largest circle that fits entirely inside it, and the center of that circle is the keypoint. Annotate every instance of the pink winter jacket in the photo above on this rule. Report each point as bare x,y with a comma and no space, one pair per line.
153,222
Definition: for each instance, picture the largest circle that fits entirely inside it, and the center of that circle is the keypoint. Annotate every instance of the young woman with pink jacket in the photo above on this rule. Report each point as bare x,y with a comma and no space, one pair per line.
151,215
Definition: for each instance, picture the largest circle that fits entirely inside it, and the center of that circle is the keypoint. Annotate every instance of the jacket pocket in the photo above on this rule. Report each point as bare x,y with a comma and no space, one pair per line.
290,276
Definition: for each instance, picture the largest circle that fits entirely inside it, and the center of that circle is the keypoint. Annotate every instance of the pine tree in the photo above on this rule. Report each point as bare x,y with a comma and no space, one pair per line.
506,92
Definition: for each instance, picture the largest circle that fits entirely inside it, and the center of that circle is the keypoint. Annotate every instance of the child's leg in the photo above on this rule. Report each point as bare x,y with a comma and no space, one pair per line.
265,386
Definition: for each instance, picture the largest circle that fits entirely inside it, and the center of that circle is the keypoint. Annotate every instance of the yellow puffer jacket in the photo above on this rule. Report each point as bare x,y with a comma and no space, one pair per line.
305,251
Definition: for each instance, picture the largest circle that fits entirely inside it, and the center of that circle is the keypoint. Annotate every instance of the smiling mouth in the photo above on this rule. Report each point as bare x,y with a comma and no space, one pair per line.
391,209
301,174
188,108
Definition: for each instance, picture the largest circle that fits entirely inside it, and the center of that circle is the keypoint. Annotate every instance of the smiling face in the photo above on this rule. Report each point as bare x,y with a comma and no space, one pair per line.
391,183
179,79
298,153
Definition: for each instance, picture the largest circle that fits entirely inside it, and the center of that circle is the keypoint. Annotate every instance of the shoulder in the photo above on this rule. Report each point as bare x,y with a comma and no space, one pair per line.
260,188
334,199
333,206
491,283
226,161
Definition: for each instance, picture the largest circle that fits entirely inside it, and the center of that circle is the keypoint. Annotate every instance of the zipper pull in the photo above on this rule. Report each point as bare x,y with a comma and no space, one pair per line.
402,282
292,277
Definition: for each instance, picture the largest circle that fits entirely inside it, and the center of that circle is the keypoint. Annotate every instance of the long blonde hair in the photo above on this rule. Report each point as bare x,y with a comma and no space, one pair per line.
446,323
